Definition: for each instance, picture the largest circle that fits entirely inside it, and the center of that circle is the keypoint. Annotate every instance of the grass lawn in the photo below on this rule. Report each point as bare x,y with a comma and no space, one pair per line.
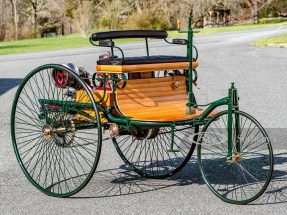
233,28
43,44
76,41
280,41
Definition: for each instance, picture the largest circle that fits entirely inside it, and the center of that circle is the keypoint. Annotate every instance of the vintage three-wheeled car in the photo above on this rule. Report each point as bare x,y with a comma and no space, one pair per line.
148,107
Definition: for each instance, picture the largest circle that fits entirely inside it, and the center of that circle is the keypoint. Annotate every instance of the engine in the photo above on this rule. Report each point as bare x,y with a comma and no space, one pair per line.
62,79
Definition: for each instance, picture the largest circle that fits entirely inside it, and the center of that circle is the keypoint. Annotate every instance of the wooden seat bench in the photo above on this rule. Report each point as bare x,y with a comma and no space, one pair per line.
143,64
155,99
146,97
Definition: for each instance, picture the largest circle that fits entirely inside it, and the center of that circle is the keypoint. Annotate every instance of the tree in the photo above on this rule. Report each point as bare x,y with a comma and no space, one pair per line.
14,4
2,21
255,6
30,10
21,19
113,13
52,18
7,30
81,13
34,4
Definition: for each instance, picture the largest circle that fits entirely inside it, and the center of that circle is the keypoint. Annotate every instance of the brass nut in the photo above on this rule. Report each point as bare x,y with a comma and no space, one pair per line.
236,157
176,85
47,131
114,130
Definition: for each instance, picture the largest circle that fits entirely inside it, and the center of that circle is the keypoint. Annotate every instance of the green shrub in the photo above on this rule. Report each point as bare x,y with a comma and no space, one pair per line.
33,34
146,21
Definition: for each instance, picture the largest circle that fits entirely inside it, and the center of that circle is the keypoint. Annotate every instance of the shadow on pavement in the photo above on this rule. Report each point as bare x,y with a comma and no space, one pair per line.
277,190
123,181
7,84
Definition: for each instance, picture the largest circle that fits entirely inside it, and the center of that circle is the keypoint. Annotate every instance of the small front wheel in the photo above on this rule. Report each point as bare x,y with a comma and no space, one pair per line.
243,177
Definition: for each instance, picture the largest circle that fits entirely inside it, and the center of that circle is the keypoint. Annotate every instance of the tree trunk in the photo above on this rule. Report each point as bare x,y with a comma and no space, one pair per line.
2,25
1,13
35,15
254,12
255,6
15,17
138,7
63,18
62,26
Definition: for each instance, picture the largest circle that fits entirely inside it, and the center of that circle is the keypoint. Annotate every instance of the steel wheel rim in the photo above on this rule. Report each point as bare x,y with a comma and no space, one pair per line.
154,159
66,155
256,178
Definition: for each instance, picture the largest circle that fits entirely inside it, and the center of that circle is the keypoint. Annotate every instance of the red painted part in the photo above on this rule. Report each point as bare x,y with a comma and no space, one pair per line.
88,82
102,88
60,77
53,106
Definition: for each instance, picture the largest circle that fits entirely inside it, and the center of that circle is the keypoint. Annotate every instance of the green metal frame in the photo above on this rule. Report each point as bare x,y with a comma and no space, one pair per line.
233,105
190,104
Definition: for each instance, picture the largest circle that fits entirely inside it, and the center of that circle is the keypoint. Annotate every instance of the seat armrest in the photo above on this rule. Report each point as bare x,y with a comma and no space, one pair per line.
106,43
180,41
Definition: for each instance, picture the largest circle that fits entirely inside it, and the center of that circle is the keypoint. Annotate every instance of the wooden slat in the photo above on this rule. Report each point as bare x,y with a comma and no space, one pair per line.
142,84
153,90
159,83
154,80
161,96
148,102
148,93
144,67
155,99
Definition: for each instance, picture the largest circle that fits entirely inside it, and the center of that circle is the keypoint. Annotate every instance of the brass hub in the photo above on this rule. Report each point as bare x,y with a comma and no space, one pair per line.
60,131
63,140
236,157
47,132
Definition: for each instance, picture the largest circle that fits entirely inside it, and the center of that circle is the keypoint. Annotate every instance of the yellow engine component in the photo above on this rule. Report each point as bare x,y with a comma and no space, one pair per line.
82,96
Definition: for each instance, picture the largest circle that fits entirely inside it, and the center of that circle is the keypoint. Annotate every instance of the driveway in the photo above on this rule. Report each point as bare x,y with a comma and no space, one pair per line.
259,73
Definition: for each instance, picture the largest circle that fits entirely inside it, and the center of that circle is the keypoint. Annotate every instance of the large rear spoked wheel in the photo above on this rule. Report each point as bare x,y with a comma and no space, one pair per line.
56,130
151,153
243,177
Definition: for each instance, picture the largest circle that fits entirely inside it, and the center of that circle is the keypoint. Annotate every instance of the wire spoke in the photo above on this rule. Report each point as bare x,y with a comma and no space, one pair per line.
246,176
60,164
157,156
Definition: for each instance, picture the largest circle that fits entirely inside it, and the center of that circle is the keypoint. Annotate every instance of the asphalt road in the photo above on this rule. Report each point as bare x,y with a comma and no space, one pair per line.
259,74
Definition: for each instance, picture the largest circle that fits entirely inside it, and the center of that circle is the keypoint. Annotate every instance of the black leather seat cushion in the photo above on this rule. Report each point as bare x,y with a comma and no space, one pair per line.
157,34
143,60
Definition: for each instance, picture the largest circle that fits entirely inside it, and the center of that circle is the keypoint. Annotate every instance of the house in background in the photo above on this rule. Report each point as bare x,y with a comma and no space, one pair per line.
216,16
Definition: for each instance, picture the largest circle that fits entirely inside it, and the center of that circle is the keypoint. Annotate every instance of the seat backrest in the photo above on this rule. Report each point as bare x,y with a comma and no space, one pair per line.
110,35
